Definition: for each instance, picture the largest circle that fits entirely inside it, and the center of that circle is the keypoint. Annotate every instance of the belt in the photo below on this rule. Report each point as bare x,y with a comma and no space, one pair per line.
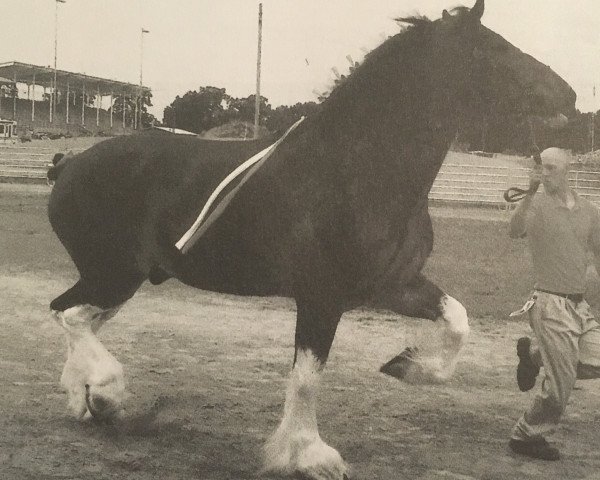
575,297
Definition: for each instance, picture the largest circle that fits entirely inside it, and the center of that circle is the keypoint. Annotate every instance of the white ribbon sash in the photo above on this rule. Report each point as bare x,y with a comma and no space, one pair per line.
251,166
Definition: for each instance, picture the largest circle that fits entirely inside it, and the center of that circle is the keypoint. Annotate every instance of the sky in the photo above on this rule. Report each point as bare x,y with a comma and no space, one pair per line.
193,43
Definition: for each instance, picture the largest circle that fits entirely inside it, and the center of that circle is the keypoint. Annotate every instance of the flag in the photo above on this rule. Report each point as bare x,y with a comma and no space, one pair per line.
145,31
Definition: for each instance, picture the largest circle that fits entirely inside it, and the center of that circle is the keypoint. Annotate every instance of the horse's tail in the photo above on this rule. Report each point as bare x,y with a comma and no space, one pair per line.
58,163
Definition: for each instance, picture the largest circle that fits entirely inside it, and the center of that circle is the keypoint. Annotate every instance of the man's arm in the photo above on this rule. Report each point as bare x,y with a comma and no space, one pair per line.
517,227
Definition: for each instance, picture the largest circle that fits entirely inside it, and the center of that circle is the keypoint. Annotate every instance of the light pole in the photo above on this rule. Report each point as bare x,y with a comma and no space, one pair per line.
258,58
140,97
53,102
593,115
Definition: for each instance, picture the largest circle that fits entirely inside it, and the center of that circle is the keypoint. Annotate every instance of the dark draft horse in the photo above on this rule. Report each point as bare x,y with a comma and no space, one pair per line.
336,218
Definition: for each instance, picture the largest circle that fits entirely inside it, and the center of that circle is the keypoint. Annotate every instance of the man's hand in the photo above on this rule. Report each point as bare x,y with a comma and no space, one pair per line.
535,177
517,224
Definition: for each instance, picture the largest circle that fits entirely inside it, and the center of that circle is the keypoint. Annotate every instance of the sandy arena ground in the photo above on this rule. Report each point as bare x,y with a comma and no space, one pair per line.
206,375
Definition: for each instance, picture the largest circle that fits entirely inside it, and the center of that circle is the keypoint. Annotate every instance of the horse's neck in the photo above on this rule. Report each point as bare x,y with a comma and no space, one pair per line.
395,114
410,142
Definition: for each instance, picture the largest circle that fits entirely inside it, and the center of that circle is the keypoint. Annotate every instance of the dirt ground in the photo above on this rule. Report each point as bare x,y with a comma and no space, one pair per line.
206,375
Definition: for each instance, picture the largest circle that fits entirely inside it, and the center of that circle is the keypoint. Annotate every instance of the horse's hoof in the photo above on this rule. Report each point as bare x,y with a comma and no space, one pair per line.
101,408
303,459
399,366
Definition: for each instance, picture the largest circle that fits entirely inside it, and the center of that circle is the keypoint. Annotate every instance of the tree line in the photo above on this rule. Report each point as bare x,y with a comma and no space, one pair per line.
209,107
513,134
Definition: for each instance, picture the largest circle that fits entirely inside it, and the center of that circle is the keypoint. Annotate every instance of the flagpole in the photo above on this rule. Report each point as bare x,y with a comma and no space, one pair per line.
593,115
257,96
53,97
140,98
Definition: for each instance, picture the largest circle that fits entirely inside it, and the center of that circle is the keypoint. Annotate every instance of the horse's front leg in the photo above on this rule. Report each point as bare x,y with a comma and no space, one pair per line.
296,447
92,376
422,299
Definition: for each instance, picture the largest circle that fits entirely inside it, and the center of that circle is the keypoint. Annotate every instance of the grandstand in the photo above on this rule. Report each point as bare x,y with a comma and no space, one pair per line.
27,97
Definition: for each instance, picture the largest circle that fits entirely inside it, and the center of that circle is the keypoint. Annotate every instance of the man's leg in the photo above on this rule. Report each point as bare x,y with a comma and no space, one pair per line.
557,332
589,344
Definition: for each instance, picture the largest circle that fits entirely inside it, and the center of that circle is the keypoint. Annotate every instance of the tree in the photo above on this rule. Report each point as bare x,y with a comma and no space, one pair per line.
576,135
147,119
128,103
121,103
198,110
243,109
9,90
284,116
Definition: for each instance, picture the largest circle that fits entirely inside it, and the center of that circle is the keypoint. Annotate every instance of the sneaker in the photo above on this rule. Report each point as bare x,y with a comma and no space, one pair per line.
527,371
535,449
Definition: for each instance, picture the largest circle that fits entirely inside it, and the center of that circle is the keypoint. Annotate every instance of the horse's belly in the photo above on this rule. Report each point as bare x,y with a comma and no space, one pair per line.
233,270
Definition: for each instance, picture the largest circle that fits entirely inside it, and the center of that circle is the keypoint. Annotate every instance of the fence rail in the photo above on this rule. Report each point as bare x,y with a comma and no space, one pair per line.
464,182
18,164
485,184
26,164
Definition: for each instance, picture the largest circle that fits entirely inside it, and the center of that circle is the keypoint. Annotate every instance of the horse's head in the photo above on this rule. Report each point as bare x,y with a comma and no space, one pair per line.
493,75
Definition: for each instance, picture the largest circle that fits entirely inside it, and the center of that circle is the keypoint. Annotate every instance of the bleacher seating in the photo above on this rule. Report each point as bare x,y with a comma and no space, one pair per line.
59,125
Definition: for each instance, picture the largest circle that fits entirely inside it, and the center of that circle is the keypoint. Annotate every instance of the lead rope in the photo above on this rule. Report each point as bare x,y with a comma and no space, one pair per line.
516,194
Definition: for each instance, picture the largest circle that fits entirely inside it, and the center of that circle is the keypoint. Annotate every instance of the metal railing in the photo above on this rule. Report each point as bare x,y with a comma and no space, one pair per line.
25,163
485,184
463,182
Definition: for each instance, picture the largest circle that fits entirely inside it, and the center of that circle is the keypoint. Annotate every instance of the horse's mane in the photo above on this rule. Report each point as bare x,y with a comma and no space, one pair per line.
420,19
365,82
413,20
408,43
367,79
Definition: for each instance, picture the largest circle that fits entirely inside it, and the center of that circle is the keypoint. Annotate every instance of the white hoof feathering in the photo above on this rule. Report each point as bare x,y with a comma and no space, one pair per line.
440,367
296,447
92,376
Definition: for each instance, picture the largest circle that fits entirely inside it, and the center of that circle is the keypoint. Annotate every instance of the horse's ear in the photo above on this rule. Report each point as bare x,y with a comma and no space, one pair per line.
69,154
477,10
445,15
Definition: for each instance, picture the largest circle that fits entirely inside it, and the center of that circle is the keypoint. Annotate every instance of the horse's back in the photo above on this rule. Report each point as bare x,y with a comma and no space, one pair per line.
110,202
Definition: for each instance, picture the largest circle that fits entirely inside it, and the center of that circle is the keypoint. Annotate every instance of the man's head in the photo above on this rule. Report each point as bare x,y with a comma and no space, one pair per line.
555,169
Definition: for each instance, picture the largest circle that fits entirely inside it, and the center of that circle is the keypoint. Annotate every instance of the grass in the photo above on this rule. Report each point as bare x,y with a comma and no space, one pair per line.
476,262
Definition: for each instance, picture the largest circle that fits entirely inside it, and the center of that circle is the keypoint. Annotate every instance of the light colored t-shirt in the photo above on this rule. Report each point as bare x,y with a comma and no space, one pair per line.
559,241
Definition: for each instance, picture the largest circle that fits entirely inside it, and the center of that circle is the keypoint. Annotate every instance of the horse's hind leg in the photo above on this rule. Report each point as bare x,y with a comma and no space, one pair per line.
296,447
92,376
422,299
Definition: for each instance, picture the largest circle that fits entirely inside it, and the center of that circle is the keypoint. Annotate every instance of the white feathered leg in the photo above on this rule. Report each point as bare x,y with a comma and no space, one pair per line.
92,376
454,333
296,447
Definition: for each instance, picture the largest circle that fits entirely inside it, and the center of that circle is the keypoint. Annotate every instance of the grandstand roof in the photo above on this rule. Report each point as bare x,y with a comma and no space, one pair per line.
24,73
